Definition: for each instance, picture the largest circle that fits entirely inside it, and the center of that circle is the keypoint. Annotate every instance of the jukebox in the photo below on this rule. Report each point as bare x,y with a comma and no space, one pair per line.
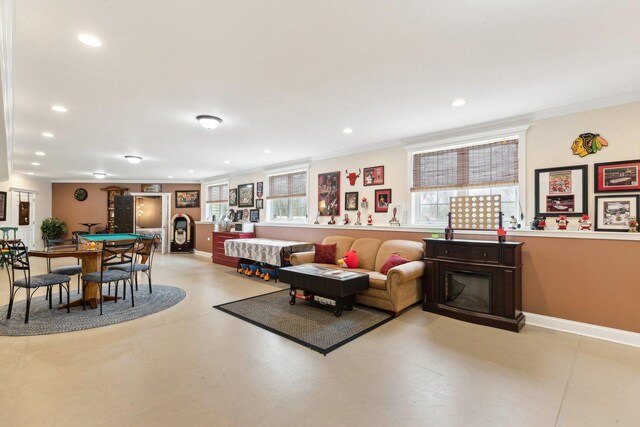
182,233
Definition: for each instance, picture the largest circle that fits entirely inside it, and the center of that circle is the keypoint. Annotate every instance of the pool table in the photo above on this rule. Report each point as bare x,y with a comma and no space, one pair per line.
113,238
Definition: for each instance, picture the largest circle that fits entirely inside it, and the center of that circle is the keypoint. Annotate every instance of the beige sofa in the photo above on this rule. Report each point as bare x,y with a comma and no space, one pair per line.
399,289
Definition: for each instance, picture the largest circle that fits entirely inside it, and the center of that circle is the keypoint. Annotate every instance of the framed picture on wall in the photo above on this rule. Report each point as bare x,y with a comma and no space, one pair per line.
3,205
613,212
245,195
383,200
374,175
561,191
259,189
187,198
233,197
616,176
329,193
259,203
254,215
351,201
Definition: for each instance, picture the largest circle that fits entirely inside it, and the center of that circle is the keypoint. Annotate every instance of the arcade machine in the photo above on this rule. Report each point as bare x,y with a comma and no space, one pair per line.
182,235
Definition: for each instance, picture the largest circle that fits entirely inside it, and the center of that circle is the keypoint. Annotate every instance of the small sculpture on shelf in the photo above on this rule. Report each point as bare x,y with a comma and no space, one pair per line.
394,218
562,222
502,235
364,204
513,223
346,220
585,224
317,217
448,233
332,220
369,220
538,223
633,225
357,219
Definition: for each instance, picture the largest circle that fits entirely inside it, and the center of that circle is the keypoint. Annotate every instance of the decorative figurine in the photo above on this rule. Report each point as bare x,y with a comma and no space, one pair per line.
513,223
394,219
364,204
357,219
538,223
633,224
345,220
502,235
562,222
448,233
332,220
585,224
369,220
317,216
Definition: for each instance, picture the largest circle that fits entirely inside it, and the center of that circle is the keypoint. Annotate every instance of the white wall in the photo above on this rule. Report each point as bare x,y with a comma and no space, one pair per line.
41,187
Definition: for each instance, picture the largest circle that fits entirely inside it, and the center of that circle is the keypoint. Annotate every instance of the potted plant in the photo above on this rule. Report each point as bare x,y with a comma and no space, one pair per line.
52,228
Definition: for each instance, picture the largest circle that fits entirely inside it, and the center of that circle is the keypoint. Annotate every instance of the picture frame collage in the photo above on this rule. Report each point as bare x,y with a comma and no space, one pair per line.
564,191
247,196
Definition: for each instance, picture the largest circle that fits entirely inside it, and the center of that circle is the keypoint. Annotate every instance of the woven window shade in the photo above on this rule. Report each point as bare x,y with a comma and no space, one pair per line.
218,193
288,185
486,165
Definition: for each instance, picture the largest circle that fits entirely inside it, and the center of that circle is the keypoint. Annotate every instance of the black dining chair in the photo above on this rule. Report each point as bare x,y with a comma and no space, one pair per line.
144,260
113,254
69,270
17,257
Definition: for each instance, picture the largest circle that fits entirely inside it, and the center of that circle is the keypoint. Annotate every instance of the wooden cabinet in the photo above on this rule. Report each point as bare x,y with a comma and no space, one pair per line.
217,251
476,281
112,192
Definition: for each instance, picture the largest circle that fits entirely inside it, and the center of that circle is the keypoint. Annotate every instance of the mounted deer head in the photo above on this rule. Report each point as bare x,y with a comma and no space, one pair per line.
352,176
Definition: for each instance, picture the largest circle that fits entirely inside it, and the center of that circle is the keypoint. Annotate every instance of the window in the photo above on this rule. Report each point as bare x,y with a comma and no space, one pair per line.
490,167
287,198
217,201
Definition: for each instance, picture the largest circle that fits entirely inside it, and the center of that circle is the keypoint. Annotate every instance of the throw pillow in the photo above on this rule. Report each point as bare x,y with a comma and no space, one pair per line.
351,259
325,254
393,261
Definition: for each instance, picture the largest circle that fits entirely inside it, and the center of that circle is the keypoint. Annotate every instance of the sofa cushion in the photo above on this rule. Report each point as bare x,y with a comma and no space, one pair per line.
393,261
377,280
367,248
408,249
343,244
325,254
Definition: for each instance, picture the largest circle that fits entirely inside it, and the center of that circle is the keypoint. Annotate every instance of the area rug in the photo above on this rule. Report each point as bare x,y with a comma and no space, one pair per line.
307,323
43,321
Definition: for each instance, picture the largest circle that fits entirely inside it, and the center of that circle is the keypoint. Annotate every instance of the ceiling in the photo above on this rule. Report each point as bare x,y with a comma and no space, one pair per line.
289,76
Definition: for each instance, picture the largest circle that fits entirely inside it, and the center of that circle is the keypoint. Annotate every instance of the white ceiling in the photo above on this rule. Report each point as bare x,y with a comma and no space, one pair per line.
290,75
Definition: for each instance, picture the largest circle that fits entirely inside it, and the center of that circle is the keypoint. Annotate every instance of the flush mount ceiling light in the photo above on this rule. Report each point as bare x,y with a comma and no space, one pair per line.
227,162
133,159
89,40
59,108
39,153
347,131
267,151
458,103
209,122
47,134
35,164
100,175
191,171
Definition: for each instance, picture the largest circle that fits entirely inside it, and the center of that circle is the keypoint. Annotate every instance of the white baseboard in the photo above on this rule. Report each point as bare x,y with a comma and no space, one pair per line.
202,253
586,329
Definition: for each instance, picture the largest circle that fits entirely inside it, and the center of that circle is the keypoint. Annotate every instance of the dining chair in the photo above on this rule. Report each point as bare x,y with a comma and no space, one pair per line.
16,255
144,260
69,270
113,254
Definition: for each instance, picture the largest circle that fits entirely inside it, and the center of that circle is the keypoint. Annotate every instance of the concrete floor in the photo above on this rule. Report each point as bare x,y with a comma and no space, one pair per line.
193,365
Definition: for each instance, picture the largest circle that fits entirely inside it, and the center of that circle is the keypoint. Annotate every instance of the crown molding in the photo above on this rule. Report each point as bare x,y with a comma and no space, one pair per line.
121,181
596,104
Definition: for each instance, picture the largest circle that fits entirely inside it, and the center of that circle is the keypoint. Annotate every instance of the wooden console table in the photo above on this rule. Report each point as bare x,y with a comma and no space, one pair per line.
476,281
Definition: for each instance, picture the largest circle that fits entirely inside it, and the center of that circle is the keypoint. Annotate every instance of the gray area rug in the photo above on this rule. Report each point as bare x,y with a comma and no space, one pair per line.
307,323
43,321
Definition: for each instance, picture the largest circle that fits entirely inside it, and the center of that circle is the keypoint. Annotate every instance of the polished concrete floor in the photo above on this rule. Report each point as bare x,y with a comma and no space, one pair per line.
192,365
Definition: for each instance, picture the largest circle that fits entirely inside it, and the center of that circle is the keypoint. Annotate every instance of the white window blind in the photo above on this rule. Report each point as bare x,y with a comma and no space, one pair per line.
486,165
218,193
288,185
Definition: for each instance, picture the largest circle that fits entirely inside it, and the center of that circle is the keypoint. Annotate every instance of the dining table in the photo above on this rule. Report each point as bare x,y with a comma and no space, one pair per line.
89,252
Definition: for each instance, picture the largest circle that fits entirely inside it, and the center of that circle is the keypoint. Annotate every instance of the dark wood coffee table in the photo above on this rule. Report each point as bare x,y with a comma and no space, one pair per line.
337,284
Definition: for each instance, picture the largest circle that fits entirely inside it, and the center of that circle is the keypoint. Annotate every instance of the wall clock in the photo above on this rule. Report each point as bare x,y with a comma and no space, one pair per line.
80,194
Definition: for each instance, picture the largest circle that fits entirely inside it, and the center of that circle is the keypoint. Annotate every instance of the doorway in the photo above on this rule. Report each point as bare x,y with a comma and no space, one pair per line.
151,215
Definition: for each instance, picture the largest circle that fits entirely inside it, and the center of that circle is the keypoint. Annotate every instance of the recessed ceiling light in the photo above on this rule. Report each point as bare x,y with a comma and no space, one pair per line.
39,153
47,134
59,108
190,170
348,131
458,103
267,151
29,173
100,175
89,40
170,176
35,164
133,159
209,122
227,162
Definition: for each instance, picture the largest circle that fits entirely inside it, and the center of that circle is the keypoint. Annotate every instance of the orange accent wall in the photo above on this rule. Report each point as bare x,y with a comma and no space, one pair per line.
94,208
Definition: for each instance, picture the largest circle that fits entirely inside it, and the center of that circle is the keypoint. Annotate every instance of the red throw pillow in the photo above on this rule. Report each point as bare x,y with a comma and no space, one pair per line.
393,261
325,254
